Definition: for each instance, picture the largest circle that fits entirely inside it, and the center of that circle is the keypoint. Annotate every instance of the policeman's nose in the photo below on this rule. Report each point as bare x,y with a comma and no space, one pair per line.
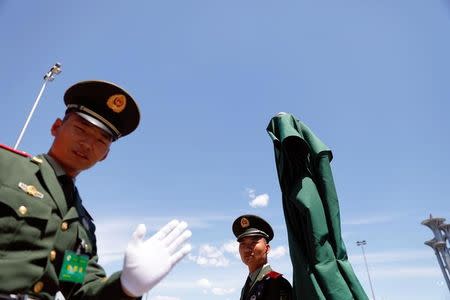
86,142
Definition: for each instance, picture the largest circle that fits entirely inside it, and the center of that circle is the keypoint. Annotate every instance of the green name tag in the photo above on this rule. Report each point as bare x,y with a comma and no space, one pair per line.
74,267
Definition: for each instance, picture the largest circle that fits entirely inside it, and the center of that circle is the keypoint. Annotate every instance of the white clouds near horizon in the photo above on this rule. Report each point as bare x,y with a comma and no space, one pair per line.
278,252
209,256
164,298
232,247
209,287
204,283
222,291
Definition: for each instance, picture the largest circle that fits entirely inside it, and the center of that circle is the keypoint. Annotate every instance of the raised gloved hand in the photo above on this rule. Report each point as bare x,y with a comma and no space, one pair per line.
148,261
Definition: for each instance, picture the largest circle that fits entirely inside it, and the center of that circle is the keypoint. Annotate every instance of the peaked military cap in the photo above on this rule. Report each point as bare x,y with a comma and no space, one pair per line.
105,105
251,225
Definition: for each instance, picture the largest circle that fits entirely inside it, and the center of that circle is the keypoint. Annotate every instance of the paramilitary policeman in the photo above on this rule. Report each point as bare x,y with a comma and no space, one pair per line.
253,234
47,238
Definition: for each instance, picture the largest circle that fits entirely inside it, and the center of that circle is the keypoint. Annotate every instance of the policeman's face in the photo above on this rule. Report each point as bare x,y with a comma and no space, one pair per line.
253,251
78,145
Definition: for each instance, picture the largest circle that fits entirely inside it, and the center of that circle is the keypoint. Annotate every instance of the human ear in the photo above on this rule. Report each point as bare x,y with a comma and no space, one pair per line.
56,125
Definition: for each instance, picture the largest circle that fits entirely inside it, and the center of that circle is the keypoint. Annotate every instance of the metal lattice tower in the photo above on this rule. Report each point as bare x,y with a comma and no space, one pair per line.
441,233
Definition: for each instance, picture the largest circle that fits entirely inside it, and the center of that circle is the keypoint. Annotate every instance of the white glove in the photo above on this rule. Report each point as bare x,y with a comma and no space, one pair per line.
148,261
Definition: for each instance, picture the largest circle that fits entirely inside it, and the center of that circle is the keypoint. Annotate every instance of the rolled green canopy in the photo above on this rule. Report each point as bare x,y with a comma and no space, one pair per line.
321,269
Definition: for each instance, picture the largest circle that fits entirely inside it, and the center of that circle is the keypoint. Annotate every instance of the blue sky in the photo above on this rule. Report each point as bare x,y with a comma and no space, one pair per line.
370,78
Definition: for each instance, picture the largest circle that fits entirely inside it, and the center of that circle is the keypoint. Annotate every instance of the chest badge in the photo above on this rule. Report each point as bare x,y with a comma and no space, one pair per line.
74,267
30,190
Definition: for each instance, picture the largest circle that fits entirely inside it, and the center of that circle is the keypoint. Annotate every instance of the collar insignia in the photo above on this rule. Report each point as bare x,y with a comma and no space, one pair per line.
30,190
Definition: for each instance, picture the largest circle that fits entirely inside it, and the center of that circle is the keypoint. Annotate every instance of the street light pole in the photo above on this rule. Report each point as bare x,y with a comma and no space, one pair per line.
362,244
49,76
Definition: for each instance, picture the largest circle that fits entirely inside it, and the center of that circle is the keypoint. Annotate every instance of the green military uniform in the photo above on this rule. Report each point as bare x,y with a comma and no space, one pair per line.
36,229
264,283
38,224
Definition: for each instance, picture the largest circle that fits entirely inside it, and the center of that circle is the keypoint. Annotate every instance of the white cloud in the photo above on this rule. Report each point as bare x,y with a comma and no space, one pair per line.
277,252
207,286
257,200
251,193
222,291
204,283
260,201
164,298
209,256
231,247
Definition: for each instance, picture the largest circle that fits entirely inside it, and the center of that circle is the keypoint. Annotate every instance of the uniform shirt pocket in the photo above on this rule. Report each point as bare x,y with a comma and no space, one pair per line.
23,219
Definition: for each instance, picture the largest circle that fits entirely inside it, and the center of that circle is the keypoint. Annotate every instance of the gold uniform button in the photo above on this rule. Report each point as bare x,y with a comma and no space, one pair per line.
64,226
52,255
38,287
23,210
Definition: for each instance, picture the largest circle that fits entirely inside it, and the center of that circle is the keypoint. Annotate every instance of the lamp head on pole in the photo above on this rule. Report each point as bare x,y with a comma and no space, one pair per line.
55,70
361,243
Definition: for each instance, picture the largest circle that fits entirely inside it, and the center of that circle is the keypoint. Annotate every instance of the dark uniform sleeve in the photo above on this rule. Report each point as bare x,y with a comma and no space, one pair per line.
278,289
285,289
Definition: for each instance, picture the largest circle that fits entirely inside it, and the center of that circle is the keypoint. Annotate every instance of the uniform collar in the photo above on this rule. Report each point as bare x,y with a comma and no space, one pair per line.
59,170
259,273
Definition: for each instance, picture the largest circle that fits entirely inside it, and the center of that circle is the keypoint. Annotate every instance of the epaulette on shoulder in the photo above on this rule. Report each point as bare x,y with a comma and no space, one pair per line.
273,274
22,153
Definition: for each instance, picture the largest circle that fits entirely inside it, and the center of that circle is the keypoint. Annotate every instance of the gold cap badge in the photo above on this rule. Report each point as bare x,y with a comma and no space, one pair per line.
245,223
117,102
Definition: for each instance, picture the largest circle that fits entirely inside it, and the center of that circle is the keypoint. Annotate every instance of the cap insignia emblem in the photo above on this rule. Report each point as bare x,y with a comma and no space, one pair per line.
117,102
30,190
245,223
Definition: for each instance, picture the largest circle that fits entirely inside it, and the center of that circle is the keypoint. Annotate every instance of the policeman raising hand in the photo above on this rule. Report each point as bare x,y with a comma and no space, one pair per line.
254,234
47,238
